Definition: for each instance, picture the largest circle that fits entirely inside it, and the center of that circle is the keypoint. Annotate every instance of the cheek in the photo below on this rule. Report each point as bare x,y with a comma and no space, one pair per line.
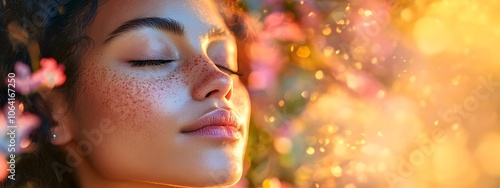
138,107
241,99
113,93
109,95
241,102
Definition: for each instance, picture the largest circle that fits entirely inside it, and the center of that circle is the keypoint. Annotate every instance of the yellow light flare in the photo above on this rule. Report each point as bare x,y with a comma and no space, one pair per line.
352,81
322,149
282,145
310,150
332,129
303,52
327,31
319,75
281,103
407,14
358,65
361,11
412,79
328,51
367,13
336,171
271,183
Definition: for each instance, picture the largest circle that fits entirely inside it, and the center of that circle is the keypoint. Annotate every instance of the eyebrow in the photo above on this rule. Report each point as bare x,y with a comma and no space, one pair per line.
151,22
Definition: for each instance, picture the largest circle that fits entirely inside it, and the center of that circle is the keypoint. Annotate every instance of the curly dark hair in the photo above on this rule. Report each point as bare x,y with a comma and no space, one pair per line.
58,26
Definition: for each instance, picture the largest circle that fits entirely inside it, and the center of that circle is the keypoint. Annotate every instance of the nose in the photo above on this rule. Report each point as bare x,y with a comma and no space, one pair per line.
212,83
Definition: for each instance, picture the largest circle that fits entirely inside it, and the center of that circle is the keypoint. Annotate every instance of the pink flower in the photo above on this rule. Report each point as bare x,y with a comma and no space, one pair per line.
24,83
50,75
262,79
25,123
282,27
267,61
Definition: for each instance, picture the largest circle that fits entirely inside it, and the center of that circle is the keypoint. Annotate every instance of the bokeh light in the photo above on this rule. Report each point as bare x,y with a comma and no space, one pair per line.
384,93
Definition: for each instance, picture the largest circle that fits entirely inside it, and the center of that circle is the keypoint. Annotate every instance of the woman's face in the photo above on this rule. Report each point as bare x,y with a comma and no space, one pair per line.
163,81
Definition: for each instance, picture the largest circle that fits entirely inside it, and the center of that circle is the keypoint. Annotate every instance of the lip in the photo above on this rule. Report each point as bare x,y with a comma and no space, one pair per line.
218,124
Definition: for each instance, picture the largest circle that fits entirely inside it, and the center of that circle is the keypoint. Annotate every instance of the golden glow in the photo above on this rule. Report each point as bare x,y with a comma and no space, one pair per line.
303,52
414,85
319,75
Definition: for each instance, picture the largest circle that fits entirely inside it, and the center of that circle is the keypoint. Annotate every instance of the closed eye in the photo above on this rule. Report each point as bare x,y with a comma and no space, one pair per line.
154,62
158,62
228,70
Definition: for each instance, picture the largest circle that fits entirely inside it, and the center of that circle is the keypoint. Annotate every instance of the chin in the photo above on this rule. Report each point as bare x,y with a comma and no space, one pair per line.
222,177
213,180
206,177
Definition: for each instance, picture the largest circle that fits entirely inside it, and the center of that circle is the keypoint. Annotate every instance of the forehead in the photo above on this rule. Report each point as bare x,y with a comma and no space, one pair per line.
195,15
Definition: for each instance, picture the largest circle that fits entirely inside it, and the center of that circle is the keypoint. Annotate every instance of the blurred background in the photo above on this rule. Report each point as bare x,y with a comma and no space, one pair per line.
374,93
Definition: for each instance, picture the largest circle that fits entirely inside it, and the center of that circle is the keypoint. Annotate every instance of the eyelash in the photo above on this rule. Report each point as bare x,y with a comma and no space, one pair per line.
143,63
222,68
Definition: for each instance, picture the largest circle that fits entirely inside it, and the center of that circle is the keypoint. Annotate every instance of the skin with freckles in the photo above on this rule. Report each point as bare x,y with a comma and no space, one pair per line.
149,105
